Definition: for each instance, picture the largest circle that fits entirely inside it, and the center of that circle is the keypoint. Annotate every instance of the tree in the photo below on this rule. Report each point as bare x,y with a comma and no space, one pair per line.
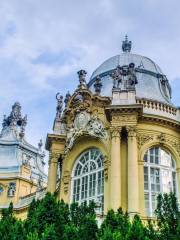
115,225
10,227
168,216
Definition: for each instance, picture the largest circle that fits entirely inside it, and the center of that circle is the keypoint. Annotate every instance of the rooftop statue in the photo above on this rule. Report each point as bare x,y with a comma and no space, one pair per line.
82,77
67,97
98,85
124,77
59,107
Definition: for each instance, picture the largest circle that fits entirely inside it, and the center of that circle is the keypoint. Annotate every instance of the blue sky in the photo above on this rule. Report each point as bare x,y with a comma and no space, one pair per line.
43,43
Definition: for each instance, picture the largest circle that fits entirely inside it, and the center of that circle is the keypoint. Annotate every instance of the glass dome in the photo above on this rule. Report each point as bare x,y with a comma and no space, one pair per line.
152,83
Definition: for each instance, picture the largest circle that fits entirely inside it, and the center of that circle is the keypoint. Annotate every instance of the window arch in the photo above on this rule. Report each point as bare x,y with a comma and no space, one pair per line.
88,178
159,176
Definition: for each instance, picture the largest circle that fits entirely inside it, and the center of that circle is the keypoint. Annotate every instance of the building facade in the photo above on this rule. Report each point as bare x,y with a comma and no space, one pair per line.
117,140
22,175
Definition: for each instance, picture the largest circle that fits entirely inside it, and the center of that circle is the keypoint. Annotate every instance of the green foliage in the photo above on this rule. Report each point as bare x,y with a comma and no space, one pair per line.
168,216
50,219
10,227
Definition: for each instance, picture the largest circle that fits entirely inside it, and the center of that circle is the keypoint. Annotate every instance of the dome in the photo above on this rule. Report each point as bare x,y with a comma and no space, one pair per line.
152,83
125,59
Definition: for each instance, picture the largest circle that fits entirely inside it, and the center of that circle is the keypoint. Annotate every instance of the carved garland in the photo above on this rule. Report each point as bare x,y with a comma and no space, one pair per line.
66,180
107,164
162,138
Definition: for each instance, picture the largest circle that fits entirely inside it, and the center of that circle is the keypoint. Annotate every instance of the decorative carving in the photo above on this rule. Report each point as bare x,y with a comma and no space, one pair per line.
40,144
117,77
107,164
115,131
98,85
54,157
176,145
161,138
96,128
14,122
124,77
11,189
124,119
84,125
82,77
131,131
66,181
142,139
165,86
59,107
81,120
67,97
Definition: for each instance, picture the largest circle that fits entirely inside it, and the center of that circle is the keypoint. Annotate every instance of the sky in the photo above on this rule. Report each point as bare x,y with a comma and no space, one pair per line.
43,43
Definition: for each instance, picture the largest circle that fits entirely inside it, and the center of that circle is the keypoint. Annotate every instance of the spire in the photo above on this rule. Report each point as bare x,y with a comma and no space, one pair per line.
15,121
126,45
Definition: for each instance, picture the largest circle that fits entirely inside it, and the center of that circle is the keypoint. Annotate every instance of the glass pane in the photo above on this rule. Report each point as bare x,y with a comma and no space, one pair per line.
90,183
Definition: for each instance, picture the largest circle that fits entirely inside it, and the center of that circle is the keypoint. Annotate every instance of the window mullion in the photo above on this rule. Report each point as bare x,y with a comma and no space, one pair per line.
150,198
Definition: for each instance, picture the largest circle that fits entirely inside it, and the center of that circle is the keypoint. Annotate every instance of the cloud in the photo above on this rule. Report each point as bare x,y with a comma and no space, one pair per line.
44,43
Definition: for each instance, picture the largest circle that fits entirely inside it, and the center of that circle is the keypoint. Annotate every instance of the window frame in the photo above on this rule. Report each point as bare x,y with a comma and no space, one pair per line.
161,167
88,158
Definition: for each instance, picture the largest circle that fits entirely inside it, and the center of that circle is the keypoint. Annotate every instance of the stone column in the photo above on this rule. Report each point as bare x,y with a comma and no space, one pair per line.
52,172
133,186
115,181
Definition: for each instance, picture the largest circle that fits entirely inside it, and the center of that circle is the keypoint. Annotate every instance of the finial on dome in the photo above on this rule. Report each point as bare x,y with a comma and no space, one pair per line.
126,45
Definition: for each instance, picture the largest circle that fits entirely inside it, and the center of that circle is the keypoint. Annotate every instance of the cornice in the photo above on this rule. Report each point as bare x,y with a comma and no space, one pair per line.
160,120
54,138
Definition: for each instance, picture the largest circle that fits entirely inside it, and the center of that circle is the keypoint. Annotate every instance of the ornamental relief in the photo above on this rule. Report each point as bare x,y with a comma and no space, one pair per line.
161,138
66,180
54,156
107,164
84,124
143,139
115,131
124,118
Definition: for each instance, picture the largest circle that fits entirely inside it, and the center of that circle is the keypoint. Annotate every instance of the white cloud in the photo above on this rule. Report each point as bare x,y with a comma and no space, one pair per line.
90,31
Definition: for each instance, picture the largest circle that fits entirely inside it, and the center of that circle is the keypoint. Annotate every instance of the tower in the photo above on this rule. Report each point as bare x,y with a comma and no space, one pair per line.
22,175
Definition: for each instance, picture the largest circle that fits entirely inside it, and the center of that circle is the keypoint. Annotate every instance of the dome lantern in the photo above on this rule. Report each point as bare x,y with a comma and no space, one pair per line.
126,45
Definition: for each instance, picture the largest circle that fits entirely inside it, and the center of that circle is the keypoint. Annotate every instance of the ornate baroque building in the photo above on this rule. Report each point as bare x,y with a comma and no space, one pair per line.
22,174
117,140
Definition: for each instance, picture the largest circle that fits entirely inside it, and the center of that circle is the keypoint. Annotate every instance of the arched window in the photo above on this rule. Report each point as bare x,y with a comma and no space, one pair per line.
159,176
88,178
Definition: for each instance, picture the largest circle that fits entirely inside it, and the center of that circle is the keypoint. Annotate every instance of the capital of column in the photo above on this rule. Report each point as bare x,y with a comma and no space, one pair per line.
53,157
115,131
132,131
